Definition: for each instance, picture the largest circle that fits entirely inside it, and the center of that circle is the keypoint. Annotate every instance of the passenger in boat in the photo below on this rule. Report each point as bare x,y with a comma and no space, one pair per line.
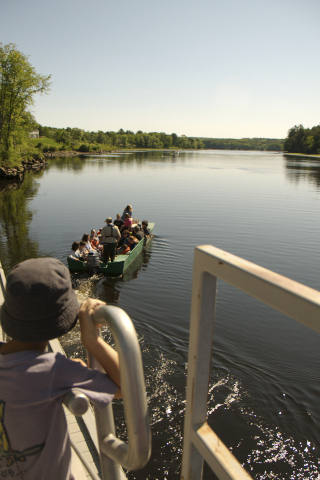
124,250
127,225
83,251
86,239
138,233
75,251
41,305
118,222
94,240
111,235
145,228
128,210
124,238
132,241
123,242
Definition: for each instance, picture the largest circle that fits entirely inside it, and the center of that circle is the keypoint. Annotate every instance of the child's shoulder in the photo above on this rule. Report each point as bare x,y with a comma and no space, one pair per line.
29,358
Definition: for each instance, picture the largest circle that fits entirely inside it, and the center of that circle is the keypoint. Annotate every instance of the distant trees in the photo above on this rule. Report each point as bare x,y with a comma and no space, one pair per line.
19,82
74,137
269,144
120,139
303,140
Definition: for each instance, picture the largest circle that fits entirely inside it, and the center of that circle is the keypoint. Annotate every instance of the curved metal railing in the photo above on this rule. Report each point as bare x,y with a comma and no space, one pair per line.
136,453
114,453
76,401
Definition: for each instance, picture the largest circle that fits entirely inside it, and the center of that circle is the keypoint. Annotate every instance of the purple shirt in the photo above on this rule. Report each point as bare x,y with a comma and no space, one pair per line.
33,429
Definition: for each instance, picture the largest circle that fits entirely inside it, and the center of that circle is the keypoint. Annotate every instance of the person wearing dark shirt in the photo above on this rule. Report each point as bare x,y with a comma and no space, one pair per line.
124,240
138,233
118,222
145,228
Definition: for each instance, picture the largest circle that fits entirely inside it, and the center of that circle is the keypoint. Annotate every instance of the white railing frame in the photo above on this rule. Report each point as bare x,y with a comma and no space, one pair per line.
289,297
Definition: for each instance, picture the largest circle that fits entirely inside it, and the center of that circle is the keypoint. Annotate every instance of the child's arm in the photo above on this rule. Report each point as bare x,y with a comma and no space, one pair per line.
106,355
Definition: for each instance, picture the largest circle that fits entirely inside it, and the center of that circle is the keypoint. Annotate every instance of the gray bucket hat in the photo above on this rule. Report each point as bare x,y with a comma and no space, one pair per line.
39,302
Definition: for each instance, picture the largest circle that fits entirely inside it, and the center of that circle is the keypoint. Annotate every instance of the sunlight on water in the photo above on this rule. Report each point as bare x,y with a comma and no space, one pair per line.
264,389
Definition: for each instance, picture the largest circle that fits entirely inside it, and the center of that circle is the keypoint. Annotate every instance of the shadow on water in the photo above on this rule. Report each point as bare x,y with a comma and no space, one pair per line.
16,242
78,163
301,168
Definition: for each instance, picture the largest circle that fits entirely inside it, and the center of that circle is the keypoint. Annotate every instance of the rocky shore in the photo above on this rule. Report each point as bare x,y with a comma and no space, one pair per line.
12,177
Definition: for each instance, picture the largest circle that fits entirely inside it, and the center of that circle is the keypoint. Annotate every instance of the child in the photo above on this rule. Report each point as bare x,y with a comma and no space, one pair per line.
40,305
83,251
145,228
75,251
127,223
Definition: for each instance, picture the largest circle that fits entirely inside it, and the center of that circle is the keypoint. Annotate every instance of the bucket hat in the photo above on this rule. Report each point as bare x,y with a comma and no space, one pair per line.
109,219
39,303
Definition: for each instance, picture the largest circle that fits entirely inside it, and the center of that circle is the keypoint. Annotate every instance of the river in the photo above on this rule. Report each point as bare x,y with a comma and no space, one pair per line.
264,207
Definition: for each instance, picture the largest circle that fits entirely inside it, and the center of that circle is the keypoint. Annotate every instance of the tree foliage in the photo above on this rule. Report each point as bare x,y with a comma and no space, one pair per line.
19,82
303,140
77,138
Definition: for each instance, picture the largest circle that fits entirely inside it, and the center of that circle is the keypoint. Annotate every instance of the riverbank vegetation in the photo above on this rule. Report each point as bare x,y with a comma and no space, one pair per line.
19,82
76,139
85,141
303,140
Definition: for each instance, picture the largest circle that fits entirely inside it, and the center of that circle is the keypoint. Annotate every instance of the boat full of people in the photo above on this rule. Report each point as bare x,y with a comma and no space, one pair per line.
113,248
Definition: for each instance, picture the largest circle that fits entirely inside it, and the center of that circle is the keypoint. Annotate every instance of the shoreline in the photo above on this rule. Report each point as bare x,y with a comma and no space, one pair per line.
302,155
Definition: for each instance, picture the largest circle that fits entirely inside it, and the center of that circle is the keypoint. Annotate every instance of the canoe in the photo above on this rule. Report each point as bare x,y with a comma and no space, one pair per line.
120,263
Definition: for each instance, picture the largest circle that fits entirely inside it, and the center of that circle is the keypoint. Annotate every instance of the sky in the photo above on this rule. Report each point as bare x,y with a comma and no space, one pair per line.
205,68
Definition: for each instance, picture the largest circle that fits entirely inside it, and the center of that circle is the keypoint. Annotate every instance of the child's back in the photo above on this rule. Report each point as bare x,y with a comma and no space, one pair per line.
40,305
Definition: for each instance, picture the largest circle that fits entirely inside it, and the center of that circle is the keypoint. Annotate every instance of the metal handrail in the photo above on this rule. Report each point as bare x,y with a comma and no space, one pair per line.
136,453
293,299
76,402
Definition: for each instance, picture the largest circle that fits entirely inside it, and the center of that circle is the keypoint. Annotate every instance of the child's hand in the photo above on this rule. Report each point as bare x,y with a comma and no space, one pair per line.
79,361
89,329
102,352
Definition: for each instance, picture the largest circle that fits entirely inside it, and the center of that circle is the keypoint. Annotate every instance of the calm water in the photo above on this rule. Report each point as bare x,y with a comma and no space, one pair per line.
264,391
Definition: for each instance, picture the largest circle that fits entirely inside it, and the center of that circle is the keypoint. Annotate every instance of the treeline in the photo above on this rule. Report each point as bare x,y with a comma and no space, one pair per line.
82,140
79,139
269,144
303,140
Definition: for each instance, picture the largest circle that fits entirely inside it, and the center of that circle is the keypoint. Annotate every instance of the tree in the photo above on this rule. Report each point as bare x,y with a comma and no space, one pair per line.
19,82
174,139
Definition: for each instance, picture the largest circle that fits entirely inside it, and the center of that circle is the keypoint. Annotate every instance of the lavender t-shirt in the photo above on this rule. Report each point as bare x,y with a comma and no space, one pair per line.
34,440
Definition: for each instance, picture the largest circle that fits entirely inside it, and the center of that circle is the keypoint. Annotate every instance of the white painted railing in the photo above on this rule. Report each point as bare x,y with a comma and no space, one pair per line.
293,299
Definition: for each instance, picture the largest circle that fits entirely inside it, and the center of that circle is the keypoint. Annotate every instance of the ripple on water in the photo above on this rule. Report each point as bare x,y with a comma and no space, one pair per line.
261,445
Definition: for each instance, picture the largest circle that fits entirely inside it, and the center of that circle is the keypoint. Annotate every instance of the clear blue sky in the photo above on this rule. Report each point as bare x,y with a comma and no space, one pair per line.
231,68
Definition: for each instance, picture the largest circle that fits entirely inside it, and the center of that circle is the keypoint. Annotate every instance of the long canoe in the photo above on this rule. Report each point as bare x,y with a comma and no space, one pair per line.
120,263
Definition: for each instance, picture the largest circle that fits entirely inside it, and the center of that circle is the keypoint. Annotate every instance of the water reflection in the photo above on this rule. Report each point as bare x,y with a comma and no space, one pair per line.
300,168
16,243
273,434
126,158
